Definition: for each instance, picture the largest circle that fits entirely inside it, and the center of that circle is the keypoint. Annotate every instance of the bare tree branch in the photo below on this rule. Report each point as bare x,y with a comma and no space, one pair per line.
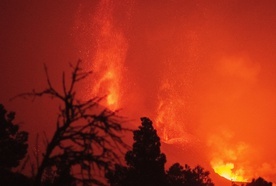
87,135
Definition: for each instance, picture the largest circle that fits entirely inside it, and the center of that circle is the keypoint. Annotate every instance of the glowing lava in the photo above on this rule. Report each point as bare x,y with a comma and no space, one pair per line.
110,56
166,120
228,158
198,72
226,170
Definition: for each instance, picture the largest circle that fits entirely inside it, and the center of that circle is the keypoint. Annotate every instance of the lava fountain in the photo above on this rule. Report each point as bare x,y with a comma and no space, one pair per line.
194,73
108,63
105,52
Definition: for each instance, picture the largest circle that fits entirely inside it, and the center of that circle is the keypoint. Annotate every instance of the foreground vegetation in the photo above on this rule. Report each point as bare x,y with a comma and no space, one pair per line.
83,144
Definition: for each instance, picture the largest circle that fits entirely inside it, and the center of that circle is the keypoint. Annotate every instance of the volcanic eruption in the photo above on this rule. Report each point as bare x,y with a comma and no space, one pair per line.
202,71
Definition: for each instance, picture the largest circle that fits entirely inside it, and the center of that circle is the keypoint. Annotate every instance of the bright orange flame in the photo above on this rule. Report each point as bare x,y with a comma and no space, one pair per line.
108,85
109,58
226,170
229,81
226,157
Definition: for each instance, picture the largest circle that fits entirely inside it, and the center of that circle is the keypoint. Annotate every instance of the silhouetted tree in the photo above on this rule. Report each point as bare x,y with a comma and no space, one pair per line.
259,182
86,136
145,165
179,176
61,176
13,143
121,176
13,148
145,162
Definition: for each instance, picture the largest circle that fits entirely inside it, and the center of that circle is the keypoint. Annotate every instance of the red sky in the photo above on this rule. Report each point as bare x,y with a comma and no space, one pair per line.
203,71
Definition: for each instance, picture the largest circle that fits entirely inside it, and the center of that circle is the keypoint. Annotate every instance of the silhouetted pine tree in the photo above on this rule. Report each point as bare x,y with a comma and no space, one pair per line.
145,165
145,162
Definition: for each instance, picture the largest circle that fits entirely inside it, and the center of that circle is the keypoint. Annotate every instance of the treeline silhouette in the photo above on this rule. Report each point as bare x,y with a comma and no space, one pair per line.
146,164
88,142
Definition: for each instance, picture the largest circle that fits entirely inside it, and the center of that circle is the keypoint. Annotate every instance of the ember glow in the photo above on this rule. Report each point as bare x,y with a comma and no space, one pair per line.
228,159
198,81
204,72
226,171
109,53
109,57
166,118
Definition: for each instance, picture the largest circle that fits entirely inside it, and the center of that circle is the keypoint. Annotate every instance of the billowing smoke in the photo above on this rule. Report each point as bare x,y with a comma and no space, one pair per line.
203,72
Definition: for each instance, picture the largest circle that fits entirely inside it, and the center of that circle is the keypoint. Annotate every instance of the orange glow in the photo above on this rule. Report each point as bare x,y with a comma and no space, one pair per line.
167,119
204,73
113,95
229,158
109,57
226,170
